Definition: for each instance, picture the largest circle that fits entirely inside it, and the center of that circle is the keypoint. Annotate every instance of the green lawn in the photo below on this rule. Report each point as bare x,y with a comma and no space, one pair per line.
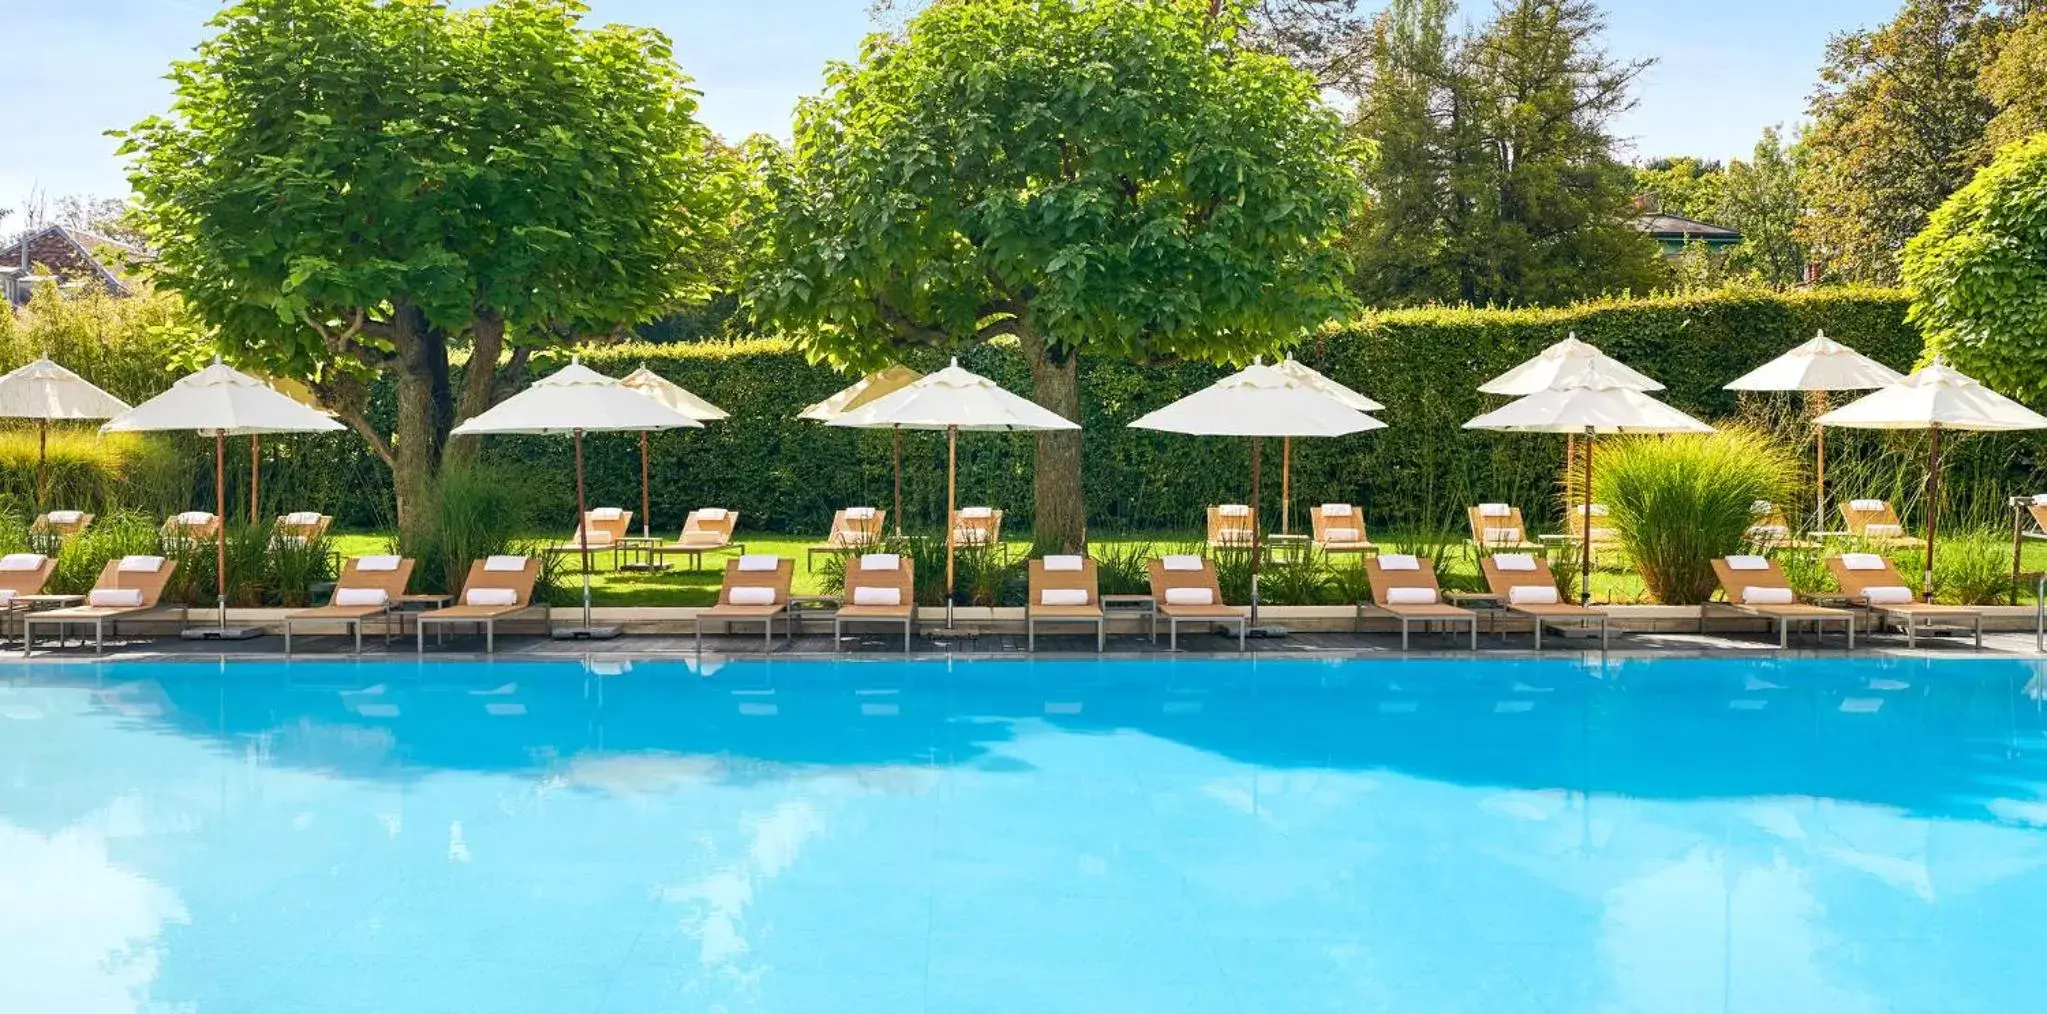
1611,583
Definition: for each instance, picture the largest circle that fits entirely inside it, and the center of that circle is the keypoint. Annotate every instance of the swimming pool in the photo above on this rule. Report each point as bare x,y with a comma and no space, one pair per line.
1122,836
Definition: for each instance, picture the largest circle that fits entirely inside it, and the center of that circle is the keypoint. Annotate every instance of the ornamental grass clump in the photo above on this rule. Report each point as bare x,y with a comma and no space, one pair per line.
1677,503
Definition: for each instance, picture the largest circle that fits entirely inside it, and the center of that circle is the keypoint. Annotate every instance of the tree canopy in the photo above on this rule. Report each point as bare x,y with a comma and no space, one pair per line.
1978,273
1116,177
344,187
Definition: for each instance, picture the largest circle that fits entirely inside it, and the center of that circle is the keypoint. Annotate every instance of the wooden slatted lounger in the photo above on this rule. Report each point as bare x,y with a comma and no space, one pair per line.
1340,528
21,574
977,526
1537,597
1874,522
128,588
1739,575
606,529
1191,581
191,527
1874,583
1062,576
369,588
1498,526
496,589
301,526
1230,526
755,590
880,588
59,525
1398,577
706,530
854,528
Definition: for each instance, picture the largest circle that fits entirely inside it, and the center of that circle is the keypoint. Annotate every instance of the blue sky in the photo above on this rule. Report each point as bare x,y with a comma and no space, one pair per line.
1727,68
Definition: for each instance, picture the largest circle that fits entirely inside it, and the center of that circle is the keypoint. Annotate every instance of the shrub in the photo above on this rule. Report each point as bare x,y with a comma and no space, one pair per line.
1124,568
1297,579
1679,502
98,473
473,512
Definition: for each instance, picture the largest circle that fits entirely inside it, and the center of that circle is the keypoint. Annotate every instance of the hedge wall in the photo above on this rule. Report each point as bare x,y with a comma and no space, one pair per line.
788,475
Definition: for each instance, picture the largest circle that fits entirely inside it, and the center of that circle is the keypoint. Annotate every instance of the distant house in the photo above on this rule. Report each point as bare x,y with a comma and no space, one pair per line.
74,256
1675,232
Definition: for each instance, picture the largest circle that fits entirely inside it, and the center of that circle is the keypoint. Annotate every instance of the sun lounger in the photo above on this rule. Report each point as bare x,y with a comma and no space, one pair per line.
21,574
854,529
755,590
1769,529
1405,588
1063,589
56,526
497,589
1874,522
190,527
1757,587
880,588
1184,589
706,530
301,527
128,588
1230,526
1525,586
1872,582
977,526
368,589
1340,528
1604,538
1498,526
606,529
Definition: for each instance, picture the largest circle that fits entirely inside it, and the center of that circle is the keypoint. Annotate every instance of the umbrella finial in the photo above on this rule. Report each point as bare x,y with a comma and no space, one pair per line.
575,360
216,359
955,360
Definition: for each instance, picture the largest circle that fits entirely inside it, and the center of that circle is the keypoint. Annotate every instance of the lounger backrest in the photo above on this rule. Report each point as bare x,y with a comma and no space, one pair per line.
2039,513
1769,525
851,531
1231,529
308,532
151,583
1510,520
1858,521
177,529
701,527
984,530
520,581
391,582
902,578
779,579
1602,528
1383,580
603,530
1084,579
1736,583
1354,521
1855,583
1162,579
1501,582
28,582
44,526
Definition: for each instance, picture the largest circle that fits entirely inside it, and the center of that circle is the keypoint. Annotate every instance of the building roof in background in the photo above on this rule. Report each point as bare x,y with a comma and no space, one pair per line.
1663,225
70,251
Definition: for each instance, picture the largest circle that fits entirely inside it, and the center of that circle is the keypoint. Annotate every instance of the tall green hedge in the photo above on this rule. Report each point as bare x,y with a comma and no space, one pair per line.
788,475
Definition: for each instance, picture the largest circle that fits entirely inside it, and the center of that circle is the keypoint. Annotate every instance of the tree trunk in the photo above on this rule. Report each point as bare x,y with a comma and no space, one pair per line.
479,385
1060,517
425,409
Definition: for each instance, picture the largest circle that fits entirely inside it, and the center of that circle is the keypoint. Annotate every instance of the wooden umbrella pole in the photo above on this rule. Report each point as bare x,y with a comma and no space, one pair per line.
220,535
1585,529
1286,485
646,498
42,462
899,479
1257,444
1570,454
952,457
1932,509
2018,542
582,525
255,474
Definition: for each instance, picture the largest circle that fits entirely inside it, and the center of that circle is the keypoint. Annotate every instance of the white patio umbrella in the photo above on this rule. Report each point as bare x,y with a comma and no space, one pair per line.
1258,402
953,399
1570,357
1817,367
862,393
677,397
220,401
1308,375
576,400
1587,401
44,391
1935,398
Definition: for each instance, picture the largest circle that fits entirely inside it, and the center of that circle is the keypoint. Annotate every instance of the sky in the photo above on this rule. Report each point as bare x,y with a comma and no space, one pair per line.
1725,70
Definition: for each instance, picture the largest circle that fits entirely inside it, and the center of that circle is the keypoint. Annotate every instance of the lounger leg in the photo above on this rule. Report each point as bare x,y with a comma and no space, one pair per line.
1243,632
1172,633
1783,633
838,635
419,634
1101,635
1979,631
768,636
358,634
490,638
1538,632
1911,632
1403,633
700,634
1474,633
1851,633
1030,634
99,637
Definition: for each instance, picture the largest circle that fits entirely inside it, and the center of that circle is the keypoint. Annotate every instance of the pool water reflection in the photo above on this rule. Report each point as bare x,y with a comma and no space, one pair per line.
840,838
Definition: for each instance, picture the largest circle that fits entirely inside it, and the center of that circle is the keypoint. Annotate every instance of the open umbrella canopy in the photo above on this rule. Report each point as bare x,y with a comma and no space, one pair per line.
1589,400
1937,395
1566,358
1259,401
574,398
673,395
45,390
1308,375
868,390
221,400
1821,364
954,398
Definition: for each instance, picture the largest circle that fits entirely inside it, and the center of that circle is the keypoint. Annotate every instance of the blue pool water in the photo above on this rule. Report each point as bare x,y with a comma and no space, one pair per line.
1129,837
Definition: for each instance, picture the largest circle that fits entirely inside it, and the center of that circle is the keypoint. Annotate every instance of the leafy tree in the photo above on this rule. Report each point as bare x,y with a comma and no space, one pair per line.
1496,180
1978,273
1759,197
1687,186
2016,82
1114,178
348,187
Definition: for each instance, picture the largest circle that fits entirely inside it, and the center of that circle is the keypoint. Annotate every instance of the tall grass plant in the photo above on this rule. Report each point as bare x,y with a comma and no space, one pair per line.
1677,503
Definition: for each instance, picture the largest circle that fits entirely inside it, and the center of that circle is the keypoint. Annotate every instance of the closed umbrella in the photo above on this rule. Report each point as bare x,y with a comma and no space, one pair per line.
1258,402
1818,366
677,397
1308,375
862,393
220,401
576,400
954,399
1587,400
1935,398
44,391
